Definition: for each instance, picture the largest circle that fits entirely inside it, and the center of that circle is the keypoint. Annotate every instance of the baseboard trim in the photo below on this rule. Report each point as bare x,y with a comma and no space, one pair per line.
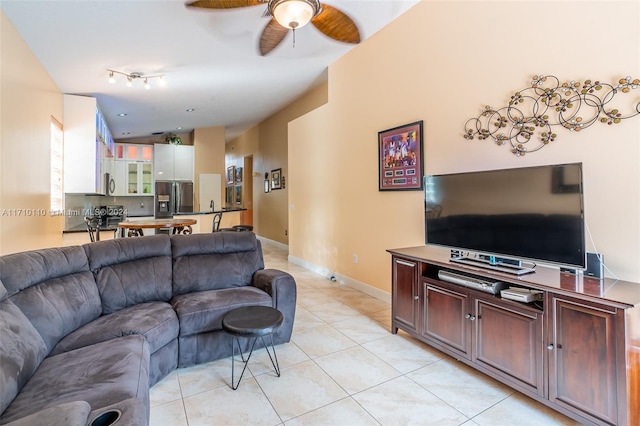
274,242
343,279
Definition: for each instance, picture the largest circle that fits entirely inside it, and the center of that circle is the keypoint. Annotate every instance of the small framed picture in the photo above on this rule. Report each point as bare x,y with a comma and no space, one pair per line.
276,179
231,174
400,165
238,195
229,196
238,174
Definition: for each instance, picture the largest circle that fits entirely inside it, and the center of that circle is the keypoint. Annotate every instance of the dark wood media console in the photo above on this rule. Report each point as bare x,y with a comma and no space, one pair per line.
576,351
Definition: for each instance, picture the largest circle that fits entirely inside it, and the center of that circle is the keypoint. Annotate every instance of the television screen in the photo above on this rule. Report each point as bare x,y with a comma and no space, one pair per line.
528,213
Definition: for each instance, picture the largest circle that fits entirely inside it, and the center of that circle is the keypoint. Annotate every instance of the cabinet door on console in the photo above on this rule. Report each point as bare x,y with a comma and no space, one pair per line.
582,362
406,300
509,341
446,318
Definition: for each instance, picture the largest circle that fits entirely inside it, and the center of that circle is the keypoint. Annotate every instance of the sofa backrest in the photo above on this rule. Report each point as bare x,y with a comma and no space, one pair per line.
53,288
214,261
21,351
132,270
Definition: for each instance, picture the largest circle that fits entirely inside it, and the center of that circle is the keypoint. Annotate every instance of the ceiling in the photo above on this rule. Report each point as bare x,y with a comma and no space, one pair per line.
210,58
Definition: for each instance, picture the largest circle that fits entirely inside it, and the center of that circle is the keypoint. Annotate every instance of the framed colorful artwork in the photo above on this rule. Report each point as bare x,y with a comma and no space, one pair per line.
400,164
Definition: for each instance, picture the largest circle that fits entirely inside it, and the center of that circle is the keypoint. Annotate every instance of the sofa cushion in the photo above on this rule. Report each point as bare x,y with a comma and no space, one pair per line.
21,270
21,351
202,312
53,288
101,374
156,321
74,413
129,271
214,261
60,305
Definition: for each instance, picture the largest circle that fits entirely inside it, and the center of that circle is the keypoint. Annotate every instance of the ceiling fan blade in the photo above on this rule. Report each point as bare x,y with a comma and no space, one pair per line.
336,24
272,36
224,4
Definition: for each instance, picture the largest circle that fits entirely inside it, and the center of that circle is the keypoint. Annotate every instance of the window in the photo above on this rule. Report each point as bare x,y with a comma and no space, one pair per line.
57,145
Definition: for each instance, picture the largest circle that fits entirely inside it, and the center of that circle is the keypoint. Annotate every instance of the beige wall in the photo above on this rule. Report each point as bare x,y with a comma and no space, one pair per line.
267,143
209,146
28,100
441,62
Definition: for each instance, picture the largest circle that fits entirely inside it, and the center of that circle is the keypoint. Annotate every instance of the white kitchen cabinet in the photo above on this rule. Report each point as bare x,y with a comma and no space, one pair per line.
134,152
120,178
183,162
134,169
173,162
139,178
163,161
84,146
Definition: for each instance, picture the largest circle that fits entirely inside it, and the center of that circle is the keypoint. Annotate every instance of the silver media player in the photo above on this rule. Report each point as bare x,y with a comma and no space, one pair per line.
521,294
488,286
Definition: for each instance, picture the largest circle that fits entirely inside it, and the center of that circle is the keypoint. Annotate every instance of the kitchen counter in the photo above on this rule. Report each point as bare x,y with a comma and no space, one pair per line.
224,210
231,216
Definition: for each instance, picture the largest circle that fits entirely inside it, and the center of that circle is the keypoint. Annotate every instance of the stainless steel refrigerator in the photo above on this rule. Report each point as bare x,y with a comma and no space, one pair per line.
173,197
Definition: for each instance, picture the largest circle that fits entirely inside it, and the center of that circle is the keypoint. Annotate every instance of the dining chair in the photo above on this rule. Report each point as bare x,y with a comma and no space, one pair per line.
93,228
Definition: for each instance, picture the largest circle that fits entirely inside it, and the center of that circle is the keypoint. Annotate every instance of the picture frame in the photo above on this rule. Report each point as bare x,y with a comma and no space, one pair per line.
276,179
238,174
231,174
400,162
229,196
238,195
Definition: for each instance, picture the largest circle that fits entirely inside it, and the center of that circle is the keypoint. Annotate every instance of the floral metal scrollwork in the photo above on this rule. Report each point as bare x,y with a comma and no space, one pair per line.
546,103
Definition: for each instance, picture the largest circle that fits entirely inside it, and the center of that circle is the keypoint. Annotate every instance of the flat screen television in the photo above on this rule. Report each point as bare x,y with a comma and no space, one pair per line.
533,214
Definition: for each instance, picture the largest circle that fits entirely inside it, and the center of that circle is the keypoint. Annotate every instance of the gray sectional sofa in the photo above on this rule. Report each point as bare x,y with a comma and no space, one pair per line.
88,329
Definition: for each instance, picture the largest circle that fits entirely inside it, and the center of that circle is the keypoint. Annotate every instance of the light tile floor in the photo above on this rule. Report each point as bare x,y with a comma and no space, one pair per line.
342,367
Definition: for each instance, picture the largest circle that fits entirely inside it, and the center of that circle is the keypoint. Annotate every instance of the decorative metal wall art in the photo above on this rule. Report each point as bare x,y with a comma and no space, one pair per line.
572,105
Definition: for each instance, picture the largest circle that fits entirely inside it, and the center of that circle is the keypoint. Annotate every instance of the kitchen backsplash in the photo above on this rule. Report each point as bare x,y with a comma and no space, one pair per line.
77,206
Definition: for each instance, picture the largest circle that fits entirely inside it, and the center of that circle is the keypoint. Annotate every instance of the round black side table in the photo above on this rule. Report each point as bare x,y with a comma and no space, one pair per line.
251,322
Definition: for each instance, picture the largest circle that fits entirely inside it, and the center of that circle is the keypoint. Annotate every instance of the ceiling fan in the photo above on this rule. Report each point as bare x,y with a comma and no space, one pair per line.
290,15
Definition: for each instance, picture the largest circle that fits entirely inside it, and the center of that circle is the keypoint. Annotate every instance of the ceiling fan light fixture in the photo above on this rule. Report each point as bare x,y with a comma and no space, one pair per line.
293,14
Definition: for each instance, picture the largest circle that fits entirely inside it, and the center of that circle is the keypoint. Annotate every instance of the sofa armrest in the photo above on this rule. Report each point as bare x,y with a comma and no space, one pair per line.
274,281
281,286
73,413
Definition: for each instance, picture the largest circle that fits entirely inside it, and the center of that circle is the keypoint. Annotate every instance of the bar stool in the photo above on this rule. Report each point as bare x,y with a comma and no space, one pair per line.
216,222
243,227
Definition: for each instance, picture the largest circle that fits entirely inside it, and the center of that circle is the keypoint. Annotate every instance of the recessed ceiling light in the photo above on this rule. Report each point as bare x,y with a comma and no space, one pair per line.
178,128
191,110
122,114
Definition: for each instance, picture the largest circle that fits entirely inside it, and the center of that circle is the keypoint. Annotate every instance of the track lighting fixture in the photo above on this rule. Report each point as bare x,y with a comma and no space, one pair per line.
134,76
